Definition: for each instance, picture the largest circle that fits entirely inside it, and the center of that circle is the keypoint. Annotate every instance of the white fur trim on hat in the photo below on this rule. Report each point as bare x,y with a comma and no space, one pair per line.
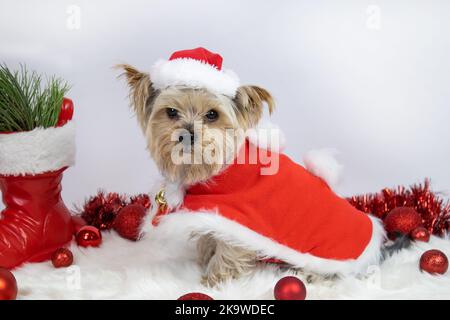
193,73
37,151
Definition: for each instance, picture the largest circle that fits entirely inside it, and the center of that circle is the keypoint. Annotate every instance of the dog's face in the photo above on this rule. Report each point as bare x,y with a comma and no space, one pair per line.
192,134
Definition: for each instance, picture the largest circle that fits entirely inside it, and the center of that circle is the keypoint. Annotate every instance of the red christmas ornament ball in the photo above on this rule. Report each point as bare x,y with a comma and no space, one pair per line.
89,236
402,220
129,220
66,113
434,261
195,296
290,288
8,285
420,234
62,258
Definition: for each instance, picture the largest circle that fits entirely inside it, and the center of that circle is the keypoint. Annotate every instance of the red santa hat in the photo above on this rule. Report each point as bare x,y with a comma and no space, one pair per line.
195,68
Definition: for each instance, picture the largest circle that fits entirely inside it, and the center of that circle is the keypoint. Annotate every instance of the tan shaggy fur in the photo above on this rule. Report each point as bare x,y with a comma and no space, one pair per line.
220,260
140,90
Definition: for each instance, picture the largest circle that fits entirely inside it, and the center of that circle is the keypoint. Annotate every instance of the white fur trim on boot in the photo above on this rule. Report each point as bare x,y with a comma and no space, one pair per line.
37,151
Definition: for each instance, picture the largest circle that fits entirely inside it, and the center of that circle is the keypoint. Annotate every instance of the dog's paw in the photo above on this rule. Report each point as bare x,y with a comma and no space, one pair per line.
206,247
211,281
228,262
312,277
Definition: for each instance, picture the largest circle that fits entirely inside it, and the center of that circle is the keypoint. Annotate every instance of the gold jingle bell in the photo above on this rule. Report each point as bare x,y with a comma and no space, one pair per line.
161,200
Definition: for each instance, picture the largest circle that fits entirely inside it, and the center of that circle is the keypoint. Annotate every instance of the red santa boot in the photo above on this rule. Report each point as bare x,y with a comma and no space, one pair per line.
35,221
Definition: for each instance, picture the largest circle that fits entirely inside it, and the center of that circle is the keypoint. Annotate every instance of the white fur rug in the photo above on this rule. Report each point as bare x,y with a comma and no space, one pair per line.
149,269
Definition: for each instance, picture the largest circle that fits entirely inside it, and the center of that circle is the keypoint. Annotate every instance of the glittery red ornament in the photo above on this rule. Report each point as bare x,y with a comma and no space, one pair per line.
434,211
195,296
420,234
101,210
8,285
89,236
129,220
402,220
290,288
62,258
142,199
434,261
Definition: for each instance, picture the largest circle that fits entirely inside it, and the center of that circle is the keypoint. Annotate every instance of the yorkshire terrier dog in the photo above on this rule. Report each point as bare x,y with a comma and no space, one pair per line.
187,105
190,113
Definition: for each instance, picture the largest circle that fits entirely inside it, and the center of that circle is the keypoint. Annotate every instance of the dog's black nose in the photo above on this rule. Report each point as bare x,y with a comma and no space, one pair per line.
186,137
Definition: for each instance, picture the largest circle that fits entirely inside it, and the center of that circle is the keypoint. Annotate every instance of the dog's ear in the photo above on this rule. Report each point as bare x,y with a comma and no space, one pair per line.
141,91
249,101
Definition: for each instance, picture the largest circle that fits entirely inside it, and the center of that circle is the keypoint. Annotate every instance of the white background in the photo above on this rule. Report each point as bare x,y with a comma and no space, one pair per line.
370,78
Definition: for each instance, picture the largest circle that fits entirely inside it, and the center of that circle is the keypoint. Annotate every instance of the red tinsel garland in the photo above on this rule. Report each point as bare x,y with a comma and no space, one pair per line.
142,199
101,209
434,211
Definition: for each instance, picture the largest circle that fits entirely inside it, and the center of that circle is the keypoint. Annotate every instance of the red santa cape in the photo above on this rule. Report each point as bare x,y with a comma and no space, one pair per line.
291,215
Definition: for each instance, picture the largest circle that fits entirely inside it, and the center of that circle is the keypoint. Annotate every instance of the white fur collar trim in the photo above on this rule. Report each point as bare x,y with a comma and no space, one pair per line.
267,135
37,151
322,163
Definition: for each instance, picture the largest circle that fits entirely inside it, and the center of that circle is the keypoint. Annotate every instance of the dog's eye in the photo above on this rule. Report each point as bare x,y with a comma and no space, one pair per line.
172,113
212,115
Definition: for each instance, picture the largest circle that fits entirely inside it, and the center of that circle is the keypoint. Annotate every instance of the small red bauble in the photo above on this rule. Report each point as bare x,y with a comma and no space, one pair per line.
62,258
8,285
66,113
420,234
290,288
402,220
89,236
195,296
129,220
434,261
